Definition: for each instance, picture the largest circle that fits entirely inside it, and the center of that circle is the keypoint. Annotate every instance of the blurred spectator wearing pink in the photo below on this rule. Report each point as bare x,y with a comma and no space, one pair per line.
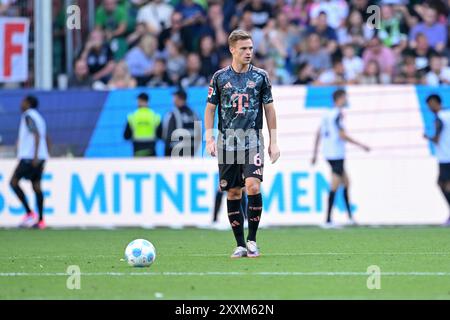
381,54
297,12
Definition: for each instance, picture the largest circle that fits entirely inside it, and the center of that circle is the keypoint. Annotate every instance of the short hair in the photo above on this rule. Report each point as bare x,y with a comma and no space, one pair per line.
348,45
436,55
313,34
32,101
75,61
434,97
420,34
162,60
376,38
336,60
180,93
143,96
237,35
338,94
302,66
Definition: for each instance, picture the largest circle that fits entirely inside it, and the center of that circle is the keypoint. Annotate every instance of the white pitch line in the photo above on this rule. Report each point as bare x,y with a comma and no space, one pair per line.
325,254
225,254
201,274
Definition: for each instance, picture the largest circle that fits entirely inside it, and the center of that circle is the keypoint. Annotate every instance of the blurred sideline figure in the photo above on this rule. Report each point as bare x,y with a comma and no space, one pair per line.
32,152
334,137
180,128
441,141
141,128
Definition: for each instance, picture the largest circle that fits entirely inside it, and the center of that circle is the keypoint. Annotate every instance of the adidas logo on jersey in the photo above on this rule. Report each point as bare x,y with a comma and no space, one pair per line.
228,86
258,172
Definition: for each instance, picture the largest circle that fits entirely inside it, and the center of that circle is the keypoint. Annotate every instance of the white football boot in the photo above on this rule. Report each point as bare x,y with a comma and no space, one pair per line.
239,252
252,249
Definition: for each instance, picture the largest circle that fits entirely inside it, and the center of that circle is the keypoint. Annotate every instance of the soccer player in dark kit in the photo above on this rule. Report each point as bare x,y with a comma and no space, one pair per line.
441,141
241,92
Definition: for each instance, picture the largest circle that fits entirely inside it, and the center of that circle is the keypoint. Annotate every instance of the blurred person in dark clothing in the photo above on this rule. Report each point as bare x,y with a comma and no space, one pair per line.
209,57
158,75
81,77
98,57
305,74
193,77
180,128
194,17
176,33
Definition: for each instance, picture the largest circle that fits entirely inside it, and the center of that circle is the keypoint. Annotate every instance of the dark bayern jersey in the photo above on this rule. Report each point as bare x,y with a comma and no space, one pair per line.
240,98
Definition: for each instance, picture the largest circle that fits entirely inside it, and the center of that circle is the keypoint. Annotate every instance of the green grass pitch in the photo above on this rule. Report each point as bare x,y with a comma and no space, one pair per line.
296,263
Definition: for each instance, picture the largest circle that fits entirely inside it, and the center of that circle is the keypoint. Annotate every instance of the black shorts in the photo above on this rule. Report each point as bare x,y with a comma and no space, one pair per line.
337,167
444,172
235,167
26,170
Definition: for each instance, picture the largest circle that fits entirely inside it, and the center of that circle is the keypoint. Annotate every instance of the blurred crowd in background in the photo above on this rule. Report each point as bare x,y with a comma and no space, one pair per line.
160,43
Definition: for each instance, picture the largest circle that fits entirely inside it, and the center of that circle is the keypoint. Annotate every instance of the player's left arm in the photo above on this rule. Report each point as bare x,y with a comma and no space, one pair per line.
49,142
31,125
197,133
439,126
271,118
344,136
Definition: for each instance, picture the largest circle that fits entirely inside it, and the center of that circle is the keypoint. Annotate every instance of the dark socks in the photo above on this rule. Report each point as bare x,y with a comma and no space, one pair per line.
217,205
236,220
330,205
446,195
254,209
347,203
40,204
19,192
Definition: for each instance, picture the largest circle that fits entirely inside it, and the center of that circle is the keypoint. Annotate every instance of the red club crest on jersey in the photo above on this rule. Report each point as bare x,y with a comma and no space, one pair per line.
251,84
210,92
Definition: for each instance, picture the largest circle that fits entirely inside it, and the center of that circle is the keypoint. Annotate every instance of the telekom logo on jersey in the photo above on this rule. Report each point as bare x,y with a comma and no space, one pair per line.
240,101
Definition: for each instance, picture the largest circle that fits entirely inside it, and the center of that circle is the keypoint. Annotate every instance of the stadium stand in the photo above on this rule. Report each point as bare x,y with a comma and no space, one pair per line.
289,37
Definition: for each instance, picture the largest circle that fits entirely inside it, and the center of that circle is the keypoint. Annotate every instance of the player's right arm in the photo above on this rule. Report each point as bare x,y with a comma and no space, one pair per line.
210,110
209,123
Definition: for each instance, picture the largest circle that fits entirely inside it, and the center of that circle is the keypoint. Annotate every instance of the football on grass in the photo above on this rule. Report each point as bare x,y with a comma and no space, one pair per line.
140,253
